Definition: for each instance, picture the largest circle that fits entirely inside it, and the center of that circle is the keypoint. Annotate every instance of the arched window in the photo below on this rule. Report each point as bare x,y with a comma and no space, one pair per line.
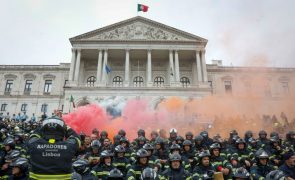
158,81
138,81
90,81
117,81
185,82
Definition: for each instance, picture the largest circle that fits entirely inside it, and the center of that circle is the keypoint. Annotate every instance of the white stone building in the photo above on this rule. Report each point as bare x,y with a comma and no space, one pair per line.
135,58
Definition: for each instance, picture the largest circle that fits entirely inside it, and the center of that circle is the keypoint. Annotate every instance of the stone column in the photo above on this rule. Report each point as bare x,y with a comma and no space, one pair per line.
99,67
149,68
77,70
127,68
171,67
204,67
72,68
104,72
177,79
199,69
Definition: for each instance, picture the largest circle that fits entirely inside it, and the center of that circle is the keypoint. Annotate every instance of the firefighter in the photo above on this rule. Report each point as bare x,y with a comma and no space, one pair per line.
19,169
149,174
220,163
261,168
204,170
263,142
115,174
176,170
245,156
142,162
93,155
101,171
120,161
241,174
81,166
172,136
50,155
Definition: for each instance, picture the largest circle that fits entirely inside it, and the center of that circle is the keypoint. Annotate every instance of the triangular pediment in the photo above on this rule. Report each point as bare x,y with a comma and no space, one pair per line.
138,29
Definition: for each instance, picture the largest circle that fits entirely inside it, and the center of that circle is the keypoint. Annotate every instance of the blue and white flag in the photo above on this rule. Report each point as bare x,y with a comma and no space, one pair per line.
108,69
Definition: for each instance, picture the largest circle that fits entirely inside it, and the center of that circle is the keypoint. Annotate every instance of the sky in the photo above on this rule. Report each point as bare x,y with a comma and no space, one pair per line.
240,32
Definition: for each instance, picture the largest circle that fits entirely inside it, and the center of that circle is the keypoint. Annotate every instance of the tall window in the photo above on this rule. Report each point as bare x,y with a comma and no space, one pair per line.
48,86
285,87
228,87
24,107
138,81
117,81
28,85
8,85
90,81
44,108
158,81
185,82
3,107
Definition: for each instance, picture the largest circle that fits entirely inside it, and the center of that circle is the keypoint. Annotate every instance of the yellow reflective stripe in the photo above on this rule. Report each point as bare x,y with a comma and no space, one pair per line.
36,135
119,164
131,178
102,173
79,142
50,177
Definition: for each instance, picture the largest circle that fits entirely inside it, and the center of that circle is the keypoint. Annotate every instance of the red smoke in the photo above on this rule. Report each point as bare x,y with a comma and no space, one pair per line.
226,114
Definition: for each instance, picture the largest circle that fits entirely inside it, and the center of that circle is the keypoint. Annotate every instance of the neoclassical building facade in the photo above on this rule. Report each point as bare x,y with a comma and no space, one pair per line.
135,58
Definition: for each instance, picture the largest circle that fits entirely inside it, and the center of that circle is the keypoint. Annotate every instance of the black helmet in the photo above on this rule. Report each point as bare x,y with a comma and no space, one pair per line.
262,132
14,154
275,139
273,134
175,147
122,132
241,173
199,138
174,157
159,140
252,140
95,144
289,135
115,174
21,163
106,153
120,149
215,146
9,142
189,134
205,153
53,128
148,146
124,140
104,133
142,153
148,174
204,134
187,143
261,154
248,134
141,132
233,133
141,138
235,138
240,141
179,138
275,175
81,166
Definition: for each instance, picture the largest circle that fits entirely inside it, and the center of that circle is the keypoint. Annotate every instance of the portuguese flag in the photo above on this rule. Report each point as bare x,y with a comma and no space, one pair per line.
141,7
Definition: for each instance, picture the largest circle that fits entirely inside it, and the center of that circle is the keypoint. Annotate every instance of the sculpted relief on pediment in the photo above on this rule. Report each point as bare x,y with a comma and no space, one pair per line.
138,31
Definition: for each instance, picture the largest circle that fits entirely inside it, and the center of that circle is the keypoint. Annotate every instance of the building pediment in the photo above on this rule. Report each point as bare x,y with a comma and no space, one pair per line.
138,29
